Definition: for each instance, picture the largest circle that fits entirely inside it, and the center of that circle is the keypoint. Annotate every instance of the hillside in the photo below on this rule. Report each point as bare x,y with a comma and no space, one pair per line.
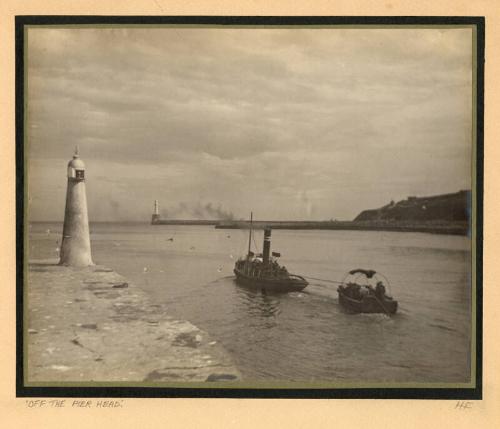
437,208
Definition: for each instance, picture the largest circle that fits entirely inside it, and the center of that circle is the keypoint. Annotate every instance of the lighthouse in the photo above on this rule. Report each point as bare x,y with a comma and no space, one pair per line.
75,248
156,214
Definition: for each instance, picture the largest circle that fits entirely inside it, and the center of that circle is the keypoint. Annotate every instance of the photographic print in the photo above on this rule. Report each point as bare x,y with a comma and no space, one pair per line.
250,205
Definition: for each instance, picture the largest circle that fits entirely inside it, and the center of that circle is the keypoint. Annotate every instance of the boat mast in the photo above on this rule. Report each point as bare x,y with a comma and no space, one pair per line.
250,235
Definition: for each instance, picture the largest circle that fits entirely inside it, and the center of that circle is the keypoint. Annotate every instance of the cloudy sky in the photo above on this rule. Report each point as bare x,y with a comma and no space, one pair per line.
289,123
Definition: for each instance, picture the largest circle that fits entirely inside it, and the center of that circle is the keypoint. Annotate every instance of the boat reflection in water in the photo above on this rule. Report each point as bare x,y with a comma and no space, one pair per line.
261,307
264,272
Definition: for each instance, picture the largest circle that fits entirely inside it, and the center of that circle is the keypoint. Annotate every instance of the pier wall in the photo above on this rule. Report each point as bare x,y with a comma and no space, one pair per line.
452,228
91,324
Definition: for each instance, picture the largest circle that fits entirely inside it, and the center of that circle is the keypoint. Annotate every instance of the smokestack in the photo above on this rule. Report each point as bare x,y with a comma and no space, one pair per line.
267,245
75,247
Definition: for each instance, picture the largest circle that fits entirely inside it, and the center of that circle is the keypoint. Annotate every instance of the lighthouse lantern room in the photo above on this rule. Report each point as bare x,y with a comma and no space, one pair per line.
76,167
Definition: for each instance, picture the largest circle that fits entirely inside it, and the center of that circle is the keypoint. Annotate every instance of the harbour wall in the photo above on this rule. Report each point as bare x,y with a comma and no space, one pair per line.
91,325
451,228
457,228
158,221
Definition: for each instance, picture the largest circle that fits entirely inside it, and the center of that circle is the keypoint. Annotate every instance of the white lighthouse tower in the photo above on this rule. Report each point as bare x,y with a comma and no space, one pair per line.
156,214
75,248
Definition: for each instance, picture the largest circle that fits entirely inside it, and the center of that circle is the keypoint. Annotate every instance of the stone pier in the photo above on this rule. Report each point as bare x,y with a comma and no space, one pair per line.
91,325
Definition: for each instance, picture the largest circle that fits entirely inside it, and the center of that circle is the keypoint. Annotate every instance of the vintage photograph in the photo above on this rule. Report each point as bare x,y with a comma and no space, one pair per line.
246,206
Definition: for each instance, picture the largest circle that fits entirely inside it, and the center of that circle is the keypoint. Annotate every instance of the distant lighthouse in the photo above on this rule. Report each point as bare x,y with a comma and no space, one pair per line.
156,214
75,248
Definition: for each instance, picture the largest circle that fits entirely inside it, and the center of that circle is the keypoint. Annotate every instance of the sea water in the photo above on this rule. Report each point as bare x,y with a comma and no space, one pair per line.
302,336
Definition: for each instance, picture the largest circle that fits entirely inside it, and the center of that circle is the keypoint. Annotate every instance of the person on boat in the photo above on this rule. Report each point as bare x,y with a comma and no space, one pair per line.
275,270
257,264
353,291
256,270
380,290
364,291
283,271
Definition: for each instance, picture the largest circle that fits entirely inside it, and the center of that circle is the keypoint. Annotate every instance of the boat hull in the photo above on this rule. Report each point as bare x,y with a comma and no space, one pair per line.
368,304
292,284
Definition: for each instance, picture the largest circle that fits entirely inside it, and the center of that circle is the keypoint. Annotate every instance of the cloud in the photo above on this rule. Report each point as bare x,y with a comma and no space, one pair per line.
289,123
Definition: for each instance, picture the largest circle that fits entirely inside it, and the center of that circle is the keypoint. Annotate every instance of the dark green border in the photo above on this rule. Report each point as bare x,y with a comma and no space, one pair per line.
471,390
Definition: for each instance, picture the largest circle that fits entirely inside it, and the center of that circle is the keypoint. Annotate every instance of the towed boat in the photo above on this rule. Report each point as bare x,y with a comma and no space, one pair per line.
357,293
263,271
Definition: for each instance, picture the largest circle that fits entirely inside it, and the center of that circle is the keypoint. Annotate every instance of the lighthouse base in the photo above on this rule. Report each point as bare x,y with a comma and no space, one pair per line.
75,247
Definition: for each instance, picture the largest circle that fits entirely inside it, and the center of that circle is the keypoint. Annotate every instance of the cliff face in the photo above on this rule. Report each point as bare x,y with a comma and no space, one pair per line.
447,208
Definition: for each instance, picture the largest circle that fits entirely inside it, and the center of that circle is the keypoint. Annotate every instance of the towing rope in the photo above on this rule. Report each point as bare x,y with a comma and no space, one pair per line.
322,280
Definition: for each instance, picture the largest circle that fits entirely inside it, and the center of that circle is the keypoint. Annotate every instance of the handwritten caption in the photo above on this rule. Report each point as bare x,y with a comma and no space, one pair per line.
73,403
464,405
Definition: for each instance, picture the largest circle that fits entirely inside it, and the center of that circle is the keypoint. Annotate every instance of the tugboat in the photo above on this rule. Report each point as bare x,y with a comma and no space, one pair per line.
263,270
358,295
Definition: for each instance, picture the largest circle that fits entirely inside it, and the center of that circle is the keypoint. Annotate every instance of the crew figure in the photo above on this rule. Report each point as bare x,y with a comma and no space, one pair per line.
380,290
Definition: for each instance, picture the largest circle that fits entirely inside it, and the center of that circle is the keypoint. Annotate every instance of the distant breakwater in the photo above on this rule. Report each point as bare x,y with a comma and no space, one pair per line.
449,228
458,228
158,221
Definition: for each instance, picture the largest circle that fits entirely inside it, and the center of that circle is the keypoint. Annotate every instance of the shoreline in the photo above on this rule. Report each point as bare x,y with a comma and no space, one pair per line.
91,325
